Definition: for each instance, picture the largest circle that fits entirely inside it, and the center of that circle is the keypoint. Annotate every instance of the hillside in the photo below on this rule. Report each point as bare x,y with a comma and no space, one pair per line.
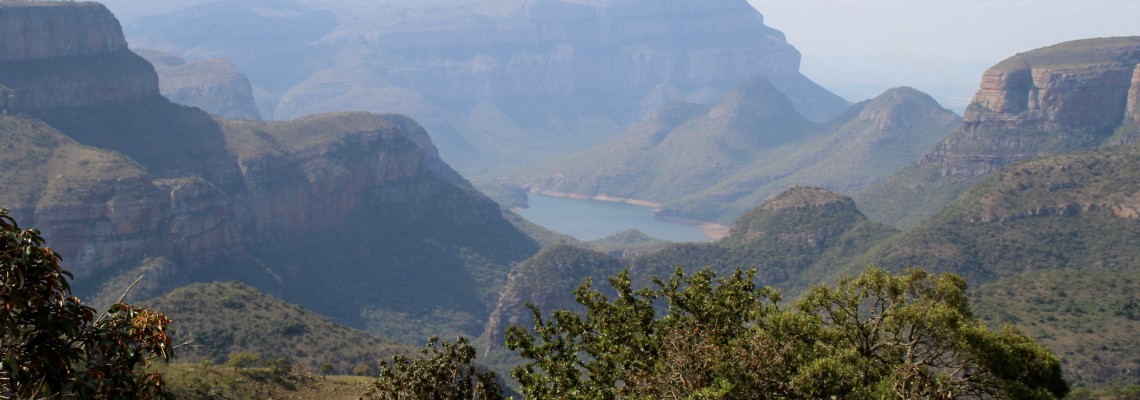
716,163
223,319
1073,211
352,215
1054,241
1067,97
498,83
1088,317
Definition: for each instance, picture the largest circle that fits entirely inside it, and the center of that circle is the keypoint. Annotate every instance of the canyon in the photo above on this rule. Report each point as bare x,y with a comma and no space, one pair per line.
120,180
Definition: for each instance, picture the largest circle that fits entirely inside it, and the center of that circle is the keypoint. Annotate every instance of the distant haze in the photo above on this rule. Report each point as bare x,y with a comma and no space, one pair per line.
859,48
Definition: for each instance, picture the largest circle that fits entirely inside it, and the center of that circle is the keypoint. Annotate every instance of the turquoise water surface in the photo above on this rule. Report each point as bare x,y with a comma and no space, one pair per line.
592,219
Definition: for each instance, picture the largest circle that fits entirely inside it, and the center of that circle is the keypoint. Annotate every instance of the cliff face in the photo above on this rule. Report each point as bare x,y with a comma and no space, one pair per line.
37,31
1067,97
67,55
1060,98
214,85
296,207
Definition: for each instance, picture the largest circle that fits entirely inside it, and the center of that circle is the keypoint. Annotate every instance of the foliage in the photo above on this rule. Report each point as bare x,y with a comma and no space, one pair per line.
874,336
53,345
446,373
1088,317
244,359
236,322
192,382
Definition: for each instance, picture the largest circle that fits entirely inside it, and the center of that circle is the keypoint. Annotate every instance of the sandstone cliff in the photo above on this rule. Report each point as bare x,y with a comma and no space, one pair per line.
214,85
134,183
1067,97
1051,100
67,55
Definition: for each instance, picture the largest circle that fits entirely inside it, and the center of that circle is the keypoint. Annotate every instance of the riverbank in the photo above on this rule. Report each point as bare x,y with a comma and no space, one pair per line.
711,230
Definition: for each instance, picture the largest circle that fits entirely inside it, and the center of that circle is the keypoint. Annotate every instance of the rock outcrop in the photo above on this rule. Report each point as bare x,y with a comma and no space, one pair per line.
214,85
1051,100
56,54
1067,97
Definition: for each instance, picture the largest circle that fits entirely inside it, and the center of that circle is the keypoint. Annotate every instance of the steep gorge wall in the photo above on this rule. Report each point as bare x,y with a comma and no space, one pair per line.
66,54
1066,97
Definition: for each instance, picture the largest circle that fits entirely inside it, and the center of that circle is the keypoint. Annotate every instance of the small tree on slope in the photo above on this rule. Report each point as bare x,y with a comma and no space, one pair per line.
53,346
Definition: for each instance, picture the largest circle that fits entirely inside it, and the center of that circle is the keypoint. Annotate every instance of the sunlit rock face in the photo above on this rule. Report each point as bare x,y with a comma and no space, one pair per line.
1065,97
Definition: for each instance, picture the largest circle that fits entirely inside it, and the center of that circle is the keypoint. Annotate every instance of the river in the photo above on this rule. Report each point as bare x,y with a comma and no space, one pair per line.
592,219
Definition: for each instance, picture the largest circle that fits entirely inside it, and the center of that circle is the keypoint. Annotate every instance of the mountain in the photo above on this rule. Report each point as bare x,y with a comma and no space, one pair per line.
1075,211
499,83
1053,242
1066,97
223,319
214,85
793,240
352,215
717,163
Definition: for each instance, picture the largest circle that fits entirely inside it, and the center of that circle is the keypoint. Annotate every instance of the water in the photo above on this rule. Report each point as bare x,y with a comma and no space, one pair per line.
592,220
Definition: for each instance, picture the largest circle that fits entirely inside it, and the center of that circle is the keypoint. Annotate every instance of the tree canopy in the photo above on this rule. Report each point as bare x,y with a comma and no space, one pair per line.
878,335
54,346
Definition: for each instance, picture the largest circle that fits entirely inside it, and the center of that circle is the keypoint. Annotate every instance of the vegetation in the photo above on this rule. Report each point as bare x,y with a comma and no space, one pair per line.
1068,211
1088,317
235,322
878,335
197,381
53,346
446,373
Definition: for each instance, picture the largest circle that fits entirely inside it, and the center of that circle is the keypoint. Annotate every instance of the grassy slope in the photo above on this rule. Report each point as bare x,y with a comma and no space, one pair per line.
1088,317
1054,212
41,164
202,381
226,318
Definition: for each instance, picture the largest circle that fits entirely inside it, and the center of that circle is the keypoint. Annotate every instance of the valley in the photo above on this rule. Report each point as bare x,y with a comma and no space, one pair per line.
292,204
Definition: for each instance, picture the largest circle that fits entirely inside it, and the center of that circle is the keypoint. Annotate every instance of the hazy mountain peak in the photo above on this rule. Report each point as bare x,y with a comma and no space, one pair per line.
754,98
899,108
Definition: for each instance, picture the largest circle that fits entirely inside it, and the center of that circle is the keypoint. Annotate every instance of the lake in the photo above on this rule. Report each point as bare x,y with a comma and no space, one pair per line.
591,219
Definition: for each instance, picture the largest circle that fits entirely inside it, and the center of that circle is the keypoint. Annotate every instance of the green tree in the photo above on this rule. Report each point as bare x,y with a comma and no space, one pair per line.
913,335
874,336
446,373
325,370
243,359
53,346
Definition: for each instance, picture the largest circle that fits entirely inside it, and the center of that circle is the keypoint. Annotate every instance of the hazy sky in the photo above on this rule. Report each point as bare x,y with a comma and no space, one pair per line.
859,48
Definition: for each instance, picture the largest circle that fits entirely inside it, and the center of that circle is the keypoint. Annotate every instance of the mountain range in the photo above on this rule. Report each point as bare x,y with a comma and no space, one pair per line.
715,163
352,214
1033,198
498,83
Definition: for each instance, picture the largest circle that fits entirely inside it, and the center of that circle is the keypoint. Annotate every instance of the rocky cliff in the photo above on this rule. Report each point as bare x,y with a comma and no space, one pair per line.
498,83
1051,100
55,54
214,85
125,185
1066,97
